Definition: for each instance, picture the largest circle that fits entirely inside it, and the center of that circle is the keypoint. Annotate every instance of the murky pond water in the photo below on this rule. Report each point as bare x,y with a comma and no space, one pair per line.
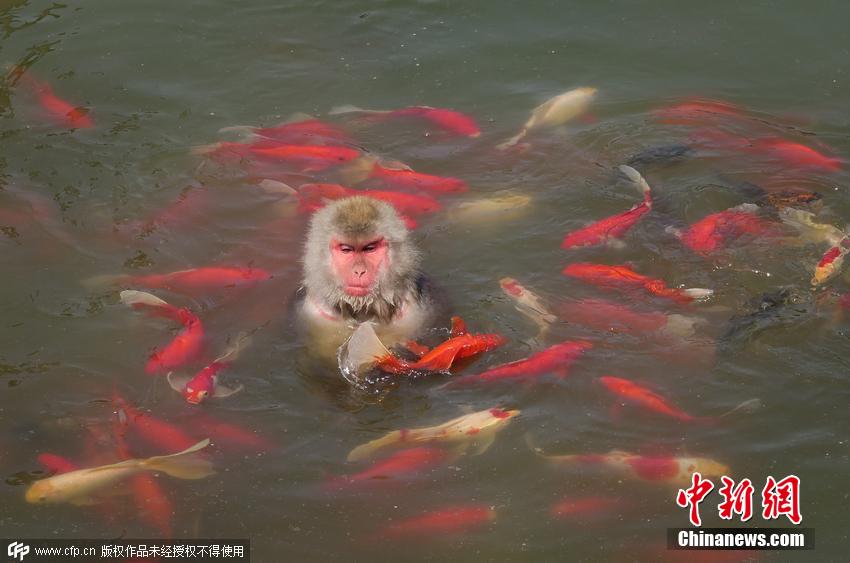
162,78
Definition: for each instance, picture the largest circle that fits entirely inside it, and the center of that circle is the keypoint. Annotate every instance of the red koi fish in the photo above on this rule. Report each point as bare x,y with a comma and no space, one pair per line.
314,196
205,383
606,276
398,465
184,347
716,231
665,469
616,226
56,464
61,111
152,504
231,433
831,262
614,317
558,359
305,158
364,351
790,153
448,520
304,132
448,120
584,507
156,432
193,202
699,112
407,179
192,281
642,396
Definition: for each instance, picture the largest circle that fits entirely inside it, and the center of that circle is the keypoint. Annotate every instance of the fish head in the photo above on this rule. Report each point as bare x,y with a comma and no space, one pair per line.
41,492
195,396
708,467
499,416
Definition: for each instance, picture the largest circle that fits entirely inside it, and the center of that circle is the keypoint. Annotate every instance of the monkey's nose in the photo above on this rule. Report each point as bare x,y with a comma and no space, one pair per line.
359,272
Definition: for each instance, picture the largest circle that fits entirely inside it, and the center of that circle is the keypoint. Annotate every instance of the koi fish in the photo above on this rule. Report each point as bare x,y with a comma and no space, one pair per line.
614,317
476,430
364,351
490,209
582,507
407,179
308,131
189,282
553,112
616,226
314,196
184,347
714,232
232,434
205,383
793,198
699,112
790,153
154,431
306,158
449,520
666,469
193,202
606,276
61,111
558,359
644,397
528,303
810,230
399,464
79,486
56,464
448,120
831,262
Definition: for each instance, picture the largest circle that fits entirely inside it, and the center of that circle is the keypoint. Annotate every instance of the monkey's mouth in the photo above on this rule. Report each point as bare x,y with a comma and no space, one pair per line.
358,290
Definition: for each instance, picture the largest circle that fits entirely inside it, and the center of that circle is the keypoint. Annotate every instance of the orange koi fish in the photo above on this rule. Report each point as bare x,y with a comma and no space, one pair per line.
233,434
606,276
190,282
305,158
613,228
579,508
184,348
56,464
831,262
364,351
449,520
307,131
609,316
314,196
407,179
400,464
152,430
664,469
555,359
448,120
714,232
61,111
205,383
699,112
789,153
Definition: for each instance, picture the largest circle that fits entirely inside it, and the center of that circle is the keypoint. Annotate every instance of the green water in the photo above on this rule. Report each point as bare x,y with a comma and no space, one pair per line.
163,77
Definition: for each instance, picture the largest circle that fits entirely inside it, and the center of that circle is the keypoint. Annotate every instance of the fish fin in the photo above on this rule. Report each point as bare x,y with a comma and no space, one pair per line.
100,282
482,443
205,149
361,352
132,297
698,292
636,178
340,110
512,141
232,352
177,382
458,327
275,187
364,451
416,348
182,465
748,406
244,131
222,391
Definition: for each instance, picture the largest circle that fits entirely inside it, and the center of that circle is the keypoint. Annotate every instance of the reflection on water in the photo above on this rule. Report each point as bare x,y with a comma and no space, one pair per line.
144,191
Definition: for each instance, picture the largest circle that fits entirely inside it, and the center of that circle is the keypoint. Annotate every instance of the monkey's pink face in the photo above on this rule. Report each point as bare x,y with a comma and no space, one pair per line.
357,266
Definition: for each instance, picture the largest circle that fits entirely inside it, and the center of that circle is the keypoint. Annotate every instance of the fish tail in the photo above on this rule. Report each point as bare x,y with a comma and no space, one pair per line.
638,180
182,465
747,407
698,292
132,298
232,352
276,187
242,130
362,352
341,110
365,451
512,141
201,150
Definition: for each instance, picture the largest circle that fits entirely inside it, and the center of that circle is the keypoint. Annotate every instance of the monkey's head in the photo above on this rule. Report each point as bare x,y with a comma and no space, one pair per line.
359,258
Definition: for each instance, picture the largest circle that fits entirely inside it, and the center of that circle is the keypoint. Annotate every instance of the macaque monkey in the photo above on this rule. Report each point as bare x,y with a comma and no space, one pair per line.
360,265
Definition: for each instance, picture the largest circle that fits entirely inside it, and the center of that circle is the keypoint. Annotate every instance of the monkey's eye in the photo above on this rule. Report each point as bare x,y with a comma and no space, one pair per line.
369,247
345,249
